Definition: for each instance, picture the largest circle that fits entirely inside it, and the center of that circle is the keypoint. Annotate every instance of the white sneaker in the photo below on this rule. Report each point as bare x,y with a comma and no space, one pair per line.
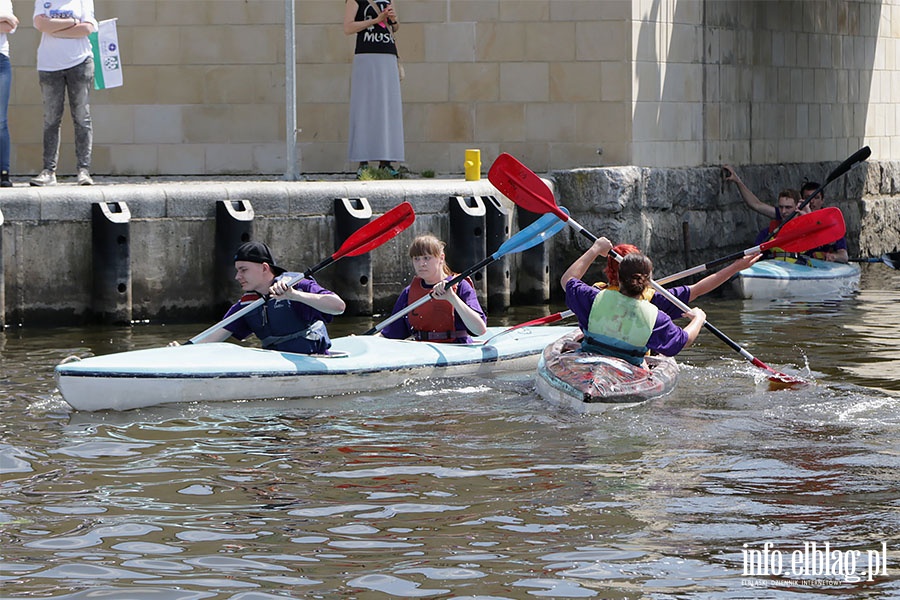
45,177
84,177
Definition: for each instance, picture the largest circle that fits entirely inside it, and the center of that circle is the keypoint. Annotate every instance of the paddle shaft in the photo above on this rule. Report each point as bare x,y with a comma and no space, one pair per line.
541,321
891,259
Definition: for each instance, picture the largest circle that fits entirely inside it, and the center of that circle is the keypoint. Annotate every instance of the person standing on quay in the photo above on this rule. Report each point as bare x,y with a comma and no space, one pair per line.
65,63
376,108
8,24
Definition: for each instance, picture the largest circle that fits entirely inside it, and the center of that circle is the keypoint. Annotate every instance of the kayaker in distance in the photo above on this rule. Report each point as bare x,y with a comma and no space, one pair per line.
685,293
836,252
620,323
454,314
292,319
785,206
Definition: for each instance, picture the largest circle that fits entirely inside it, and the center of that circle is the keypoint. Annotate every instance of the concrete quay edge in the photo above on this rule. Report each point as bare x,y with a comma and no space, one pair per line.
197,198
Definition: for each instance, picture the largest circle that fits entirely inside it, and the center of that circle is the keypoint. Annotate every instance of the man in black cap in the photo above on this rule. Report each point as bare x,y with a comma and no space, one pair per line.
293,317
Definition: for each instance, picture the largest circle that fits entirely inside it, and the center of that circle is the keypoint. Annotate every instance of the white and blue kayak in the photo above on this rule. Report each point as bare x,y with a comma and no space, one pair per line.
776,279
226,371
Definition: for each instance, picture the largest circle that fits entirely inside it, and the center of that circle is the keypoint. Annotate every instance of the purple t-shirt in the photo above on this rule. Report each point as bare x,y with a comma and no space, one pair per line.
682,292
400,329
241,330
667,337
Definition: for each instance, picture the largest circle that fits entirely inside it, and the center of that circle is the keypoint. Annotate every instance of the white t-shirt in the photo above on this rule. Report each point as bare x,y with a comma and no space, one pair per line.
6,8
55,53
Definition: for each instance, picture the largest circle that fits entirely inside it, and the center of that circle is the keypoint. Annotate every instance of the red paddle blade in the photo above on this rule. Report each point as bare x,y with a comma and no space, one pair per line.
786,382
521,185
809,231
779,380
371,235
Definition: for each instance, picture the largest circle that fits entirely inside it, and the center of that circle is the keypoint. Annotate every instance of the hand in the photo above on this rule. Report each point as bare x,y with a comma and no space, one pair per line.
440,291
696,314
279,288
173,344
748,261
390,14
602,246
728,174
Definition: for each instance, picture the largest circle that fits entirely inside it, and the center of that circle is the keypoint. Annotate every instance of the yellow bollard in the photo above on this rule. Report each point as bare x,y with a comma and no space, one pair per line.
473,164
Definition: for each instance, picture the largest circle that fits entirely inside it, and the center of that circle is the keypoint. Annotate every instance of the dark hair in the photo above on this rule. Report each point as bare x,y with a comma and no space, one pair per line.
811,186
634,274
612,265
790,193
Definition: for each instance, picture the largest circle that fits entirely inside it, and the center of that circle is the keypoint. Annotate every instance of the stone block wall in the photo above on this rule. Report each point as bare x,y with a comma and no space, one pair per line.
559,83
659,209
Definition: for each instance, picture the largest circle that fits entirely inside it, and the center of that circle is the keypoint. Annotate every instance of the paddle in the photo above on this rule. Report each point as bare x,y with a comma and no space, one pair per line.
891,259
366,238
532,323
536,233
518,183
807,231
857,157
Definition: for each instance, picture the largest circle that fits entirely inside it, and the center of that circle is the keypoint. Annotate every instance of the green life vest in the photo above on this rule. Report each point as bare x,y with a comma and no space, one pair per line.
620,326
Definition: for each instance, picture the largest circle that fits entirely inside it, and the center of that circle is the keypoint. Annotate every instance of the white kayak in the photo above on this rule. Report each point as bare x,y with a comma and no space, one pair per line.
775,279
226,371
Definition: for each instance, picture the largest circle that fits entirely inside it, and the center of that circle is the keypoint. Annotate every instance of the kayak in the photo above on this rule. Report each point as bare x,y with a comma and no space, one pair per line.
588,382
225,371
775,279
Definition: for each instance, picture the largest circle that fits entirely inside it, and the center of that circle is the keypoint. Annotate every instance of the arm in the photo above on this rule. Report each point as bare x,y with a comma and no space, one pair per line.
748,196
329,304
698,318
352,26
81,30
711,282
63,27
8,23
473,321
578,268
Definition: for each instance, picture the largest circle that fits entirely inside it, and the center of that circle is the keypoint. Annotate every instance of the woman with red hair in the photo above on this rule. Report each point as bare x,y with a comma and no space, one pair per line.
685,293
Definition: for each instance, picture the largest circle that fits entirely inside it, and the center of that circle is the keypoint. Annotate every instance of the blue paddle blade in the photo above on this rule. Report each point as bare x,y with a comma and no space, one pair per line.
537,233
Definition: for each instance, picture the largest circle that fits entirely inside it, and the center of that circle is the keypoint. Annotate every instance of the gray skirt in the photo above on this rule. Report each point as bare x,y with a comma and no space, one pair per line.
376,110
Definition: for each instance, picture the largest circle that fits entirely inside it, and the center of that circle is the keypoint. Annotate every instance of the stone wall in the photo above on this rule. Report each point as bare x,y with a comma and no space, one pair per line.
559,83
659,209
47,270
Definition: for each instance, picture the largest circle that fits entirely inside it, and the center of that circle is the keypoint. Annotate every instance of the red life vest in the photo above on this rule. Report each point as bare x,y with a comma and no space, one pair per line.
434,321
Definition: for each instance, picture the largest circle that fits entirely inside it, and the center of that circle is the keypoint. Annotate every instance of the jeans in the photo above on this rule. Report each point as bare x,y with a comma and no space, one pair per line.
5,85
78,80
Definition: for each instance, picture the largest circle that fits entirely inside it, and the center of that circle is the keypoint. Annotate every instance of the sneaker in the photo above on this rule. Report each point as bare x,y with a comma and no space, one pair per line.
84,177
45,177
4,179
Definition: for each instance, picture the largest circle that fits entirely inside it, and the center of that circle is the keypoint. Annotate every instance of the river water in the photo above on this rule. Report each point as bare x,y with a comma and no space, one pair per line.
475,488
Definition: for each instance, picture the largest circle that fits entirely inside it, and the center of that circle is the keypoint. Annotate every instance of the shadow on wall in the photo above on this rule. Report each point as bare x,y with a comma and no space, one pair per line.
752,82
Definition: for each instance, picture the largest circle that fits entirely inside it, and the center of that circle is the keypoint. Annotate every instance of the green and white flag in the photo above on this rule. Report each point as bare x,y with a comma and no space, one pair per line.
107,61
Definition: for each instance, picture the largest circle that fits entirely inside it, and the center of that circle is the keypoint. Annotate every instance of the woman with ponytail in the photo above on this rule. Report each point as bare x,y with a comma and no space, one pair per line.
622,323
